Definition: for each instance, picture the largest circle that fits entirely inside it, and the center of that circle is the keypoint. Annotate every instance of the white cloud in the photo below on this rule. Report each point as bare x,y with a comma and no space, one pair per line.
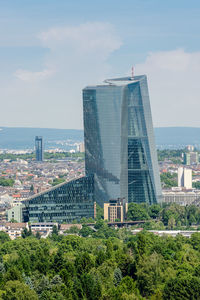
96,38
77,56
33,76
174,87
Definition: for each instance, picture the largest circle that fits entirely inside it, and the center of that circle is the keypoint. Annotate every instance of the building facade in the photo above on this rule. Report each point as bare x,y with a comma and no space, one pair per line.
185,178
194,158
186,158
15,213
119,141
63,203
115,210
182,197
191,158
81,148
39,148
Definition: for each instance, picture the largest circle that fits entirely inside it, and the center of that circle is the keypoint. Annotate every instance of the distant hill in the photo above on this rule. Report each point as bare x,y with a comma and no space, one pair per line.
23,138
177,137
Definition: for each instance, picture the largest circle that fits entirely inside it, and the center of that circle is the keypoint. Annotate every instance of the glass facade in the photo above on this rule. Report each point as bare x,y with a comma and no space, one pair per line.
39,148
120,155
63,203
119,141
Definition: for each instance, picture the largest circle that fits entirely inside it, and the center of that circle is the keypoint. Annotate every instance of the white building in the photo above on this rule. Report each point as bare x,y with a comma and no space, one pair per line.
190,148
14,230
181,198
81,148
185,178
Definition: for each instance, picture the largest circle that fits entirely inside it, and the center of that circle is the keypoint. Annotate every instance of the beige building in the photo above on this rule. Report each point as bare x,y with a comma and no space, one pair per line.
115,210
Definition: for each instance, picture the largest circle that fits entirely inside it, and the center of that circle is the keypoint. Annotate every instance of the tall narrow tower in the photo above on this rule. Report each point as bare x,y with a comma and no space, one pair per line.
39,148
185,178
119,141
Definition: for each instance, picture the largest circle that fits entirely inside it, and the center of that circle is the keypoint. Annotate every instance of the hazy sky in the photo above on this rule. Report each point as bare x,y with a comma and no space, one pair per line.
51,49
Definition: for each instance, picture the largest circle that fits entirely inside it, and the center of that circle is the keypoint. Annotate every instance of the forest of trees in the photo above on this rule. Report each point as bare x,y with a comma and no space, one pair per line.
173,155
57,181
169,180
107,264
166,216
6,181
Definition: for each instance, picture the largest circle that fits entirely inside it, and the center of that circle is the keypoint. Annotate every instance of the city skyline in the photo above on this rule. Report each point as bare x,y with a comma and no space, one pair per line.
50,51
120,155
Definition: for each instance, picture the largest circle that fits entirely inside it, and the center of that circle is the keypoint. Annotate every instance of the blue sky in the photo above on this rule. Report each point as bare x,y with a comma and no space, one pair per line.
51,49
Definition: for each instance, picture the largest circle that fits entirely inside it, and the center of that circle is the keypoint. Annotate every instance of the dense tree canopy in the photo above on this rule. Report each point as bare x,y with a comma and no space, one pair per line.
168,180
137,212
170,154
57,181
106,264
6,182
168,216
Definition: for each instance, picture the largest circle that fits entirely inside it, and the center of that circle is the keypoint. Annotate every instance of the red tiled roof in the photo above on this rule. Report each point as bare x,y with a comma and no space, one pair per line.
16,196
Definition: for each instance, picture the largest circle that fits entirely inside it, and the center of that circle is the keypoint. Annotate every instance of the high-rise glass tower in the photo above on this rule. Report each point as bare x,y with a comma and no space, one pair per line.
119,141
39,148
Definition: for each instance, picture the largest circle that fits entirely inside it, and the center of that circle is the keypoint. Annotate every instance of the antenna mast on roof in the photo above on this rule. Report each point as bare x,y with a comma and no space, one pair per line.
132,72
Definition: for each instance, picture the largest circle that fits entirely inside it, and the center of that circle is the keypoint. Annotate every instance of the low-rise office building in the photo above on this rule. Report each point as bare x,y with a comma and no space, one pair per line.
14,230
116,209
43,226
181,197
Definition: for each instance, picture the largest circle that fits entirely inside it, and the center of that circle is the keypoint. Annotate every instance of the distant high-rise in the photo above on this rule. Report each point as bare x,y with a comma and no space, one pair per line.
185,178
119,141
194,158
191,158
186,158
39,148
81,148
190,147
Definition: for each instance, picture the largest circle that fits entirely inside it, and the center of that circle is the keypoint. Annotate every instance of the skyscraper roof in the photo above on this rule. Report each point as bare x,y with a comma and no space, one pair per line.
118,81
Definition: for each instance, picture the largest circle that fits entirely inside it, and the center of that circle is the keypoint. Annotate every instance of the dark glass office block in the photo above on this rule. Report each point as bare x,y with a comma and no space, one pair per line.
63,203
